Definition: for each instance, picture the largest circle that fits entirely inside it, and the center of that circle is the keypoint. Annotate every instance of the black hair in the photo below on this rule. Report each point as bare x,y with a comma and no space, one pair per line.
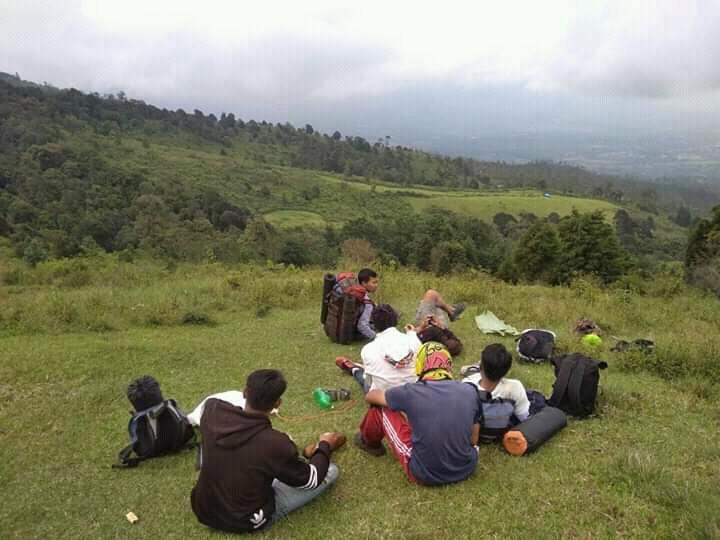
365,274
383,317
264,388
495,361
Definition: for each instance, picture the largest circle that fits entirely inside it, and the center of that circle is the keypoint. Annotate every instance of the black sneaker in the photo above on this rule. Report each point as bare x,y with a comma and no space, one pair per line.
457,311
376,451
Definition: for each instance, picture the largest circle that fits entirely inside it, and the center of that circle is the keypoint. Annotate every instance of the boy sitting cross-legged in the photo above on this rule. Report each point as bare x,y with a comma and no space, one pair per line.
250,474
430,425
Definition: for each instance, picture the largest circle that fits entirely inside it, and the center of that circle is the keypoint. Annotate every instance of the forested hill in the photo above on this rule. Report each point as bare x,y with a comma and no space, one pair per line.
350,155
80,172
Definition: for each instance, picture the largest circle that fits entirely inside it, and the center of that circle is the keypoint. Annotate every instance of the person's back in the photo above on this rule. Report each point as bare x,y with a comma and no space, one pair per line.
241,456
389,360
250,474
441,414
430,425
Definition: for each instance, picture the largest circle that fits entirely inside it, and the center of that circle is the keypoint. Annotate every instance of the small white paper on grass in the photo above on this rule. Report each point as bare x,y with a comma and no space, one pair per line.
131,517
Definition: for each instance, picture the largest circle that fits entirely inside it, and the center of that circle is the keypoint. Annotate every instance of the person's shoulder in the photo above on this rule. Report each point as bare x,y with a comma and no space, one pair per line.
514,384
513,389
399,391
467,384
278,442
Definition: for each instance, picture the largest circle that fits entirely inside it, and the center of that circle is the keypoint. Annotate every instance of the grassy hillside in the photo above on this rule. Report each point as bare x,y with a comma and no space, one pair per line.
74,333
514,202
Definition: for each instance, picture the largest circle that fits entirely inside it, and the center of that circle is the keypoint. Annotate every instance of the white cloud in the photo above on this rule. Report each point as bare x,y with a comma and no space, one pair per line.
291,52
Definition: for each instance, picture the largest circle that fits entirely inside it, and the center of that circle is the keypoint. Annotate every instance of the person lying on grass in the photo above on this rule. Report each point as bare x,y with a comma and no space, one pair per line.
433,316
389,359
250,474
489,374
430,425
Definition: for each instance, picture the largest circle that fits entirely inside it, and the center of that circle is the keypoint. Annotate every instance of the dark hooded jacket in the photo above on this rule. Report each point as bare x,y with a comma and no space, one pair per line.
241,455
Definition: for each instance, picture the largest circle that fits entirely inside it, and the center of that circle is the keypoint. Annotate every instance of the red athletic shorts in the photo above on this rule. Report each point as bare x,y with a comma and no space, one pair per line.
381,422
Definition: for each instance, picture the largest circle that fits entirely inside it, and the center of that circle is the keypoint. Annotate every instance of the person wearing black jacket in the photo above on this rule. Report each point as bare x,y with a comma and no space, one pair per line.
250,474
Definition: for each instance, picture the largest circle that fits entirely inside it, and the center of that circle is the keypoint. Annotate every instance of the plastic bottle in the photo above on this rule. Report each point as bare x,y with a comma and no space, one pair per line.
322,398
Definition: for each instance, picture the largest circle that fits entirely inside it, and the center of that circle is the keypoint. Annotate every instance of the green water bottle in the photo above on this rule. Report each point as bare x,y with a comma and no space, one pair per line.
322,398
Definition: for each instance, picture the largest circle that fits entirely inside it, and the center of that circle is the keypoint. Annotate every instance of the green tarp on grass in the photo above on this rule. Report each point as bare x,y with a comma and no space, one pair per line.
488,323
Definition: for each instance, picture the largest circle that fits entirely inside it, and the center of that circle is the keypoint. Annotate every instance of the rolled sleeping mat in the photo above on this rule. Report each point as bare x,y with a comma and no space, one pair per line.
529,435
328,284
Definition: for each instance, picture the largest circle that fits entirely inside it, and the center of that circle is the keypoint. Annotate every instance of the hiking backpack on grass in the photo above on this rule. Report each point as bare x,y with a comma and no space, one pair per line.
495,416
157,425
576,384
536,345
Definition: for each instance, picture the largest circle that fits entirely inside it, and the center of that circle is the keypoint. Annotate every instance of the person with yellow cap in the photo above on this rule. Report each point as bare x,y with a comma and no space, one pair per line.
430,425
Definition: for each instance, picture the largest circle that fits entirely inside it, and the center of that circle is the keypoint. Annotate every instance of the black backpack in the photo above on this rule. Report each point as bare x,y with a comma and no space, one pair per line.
576,384
535,345
157,425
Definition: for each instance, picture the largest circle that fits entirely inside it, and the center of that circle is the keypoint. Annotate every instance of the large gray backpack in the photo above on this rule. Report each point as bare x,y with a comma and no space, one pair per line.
495,416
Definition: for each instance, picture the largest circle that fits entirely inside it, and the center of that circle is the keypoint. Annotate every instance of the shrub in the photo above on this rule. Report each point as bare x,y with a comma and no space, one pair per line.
537,254
197,318
707,276
589,245
358,250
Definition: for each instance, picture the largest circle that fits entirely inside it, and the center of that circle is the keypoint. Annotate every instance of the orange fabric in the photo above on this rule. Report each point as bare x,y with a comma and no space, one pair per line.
515,443
349,285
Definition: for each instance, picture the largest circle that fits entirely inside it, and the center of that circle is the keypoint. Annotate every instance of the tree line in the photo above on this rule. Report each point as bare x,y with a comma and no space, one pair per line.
60,200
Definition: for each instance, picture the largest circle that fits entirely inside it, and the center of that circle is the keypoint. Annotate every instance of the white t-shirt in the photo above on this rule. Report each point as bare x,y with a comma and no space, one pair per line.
507,389
234,397
389,359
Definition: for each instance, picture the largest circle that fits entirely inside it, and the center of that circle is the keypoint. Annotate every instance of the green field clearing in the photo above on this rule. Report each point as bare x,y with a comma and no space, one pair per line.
648,465
285,219
487,205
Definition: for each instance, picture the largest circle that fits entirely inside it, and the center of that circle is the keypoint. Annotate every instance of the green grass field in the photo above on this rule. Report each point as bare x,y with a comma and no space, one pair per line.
648,465
513,202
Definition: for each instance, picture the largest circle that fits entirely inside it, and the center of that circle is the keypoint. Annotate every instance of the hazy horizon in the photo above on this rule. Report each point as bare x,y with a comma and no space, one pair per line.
631,88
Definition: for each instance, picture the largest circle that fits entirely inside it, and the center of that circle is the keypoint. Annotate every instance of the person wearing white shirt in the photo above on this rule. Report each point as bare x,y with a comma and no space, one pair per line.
495,363
389,359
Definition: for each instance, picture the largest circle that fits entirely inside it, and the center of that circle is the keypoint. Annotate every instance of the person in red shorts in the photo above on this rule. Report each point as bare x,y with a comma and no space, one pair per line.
430,425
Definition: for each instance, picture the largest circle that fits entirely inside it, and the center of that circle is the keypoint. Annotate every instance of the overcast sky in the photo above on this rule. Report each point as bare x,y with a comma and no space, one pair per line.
379,65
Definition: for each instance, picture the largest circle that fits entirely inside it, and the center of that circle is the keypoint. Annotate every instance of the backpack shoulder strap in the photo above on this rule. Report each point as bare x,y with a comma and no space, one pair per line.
482,397
150,416
180,439
575,383
563,378
124,456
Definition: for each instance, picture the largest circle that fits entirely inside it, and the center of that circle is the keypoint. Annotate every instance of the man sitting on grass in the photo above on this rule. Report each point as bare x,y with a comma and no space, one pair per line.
495,363
367,282
389,359
250,474
430,424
